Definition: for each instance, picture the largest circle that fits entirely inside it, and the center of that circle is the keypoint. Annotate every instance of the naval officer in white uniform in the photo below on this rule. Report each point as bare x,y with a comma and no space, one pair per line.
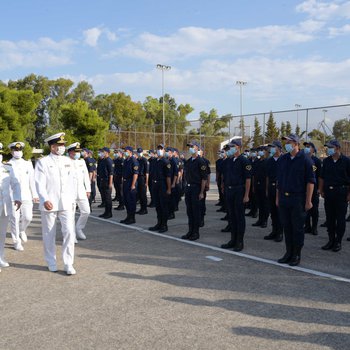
24,171
82,188
8,183
54,179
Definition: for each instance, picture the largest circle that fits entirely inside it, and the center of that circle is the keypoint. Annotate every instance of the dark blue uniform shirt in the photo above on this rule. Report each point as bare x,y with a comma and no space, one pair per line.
105,168
271,169
118,166
294,174
161,169
236,171
336,173
131,167
174,168
144,166
195,170
90,164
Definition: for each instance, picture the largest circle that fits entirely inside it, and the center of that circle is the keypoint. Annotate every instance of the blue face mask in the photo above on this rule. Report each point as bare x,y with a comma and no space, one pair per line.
307,150
272,151
76,155
261,153
126,154
330,151
116,155
160,152
289,147
166,155
253,154
192,150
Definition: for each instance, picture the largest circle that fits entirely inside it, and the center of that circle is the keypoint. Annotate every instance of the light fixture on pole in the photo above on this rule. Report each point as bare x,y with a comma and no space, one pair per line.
241,83
163,68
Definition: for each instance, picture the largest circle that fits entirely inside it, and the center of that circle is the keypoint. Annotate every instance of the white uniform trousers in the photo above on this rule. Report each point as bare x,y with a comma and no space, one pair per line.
48,220
84,208
4,220
20,219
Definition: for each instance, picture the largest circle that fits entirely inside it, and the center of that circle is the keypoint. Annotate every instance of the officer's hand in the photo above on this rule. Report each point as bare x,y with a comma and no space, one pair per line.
201,196
133,188
110,187
168,192
172,186
245,199
348,197
308,206
35,200
48,205
18,204
322,195
277,202
88,194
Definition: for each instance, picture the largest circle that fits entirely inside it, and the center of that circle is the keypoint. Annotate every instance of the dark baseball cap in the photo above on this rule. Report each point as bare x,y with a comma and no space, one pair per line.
332,143
194,143
310,144
291,137
275,143
235,142
106,149
139,150
128,148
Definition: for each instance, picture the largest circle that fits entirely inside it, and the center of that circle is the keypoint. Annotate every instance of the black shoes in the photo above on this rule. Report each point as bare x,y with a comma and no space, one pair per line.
187,235
155,228
194,237
258,223
238,247
105,215
226,229
163,228
307,229
324,224
314,231
279,237
336,247
142,212
201,223
263,224
228,245
328,246
270,236
119,207
295,260
171,216
102,205
286,258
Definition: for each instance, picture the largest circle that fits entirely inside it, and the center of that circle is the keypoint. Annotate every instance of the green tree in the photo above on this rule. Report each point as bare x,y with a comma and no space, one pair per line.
272,132
257,136
83,124
283,129
17,116
288,128
83,92
341,129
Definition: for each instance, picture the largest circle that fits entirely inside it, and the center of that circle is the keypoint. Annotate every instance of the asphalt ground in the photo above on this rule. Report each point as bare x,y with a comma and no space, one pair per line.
138,290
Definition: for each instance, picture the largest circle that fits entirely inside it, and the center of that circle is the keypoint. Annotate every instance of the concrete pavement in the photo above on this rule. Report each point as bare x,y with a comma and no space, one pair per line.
134,290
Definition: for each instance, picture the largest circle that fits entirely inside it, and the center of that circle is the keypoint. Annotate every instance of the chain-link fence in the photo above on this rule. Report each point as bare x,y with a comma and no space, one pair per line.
312,124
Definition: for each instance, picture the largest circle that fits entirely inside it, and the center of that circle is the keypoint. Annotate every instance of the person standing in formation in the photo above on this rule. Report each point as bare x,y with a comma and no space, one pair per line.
24,171
118,178
54,179
82,188
8,183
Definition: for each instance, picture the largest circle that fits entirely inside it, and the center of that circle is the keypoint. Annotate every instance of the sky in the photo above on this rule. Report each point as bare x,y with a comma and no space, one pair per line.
290,52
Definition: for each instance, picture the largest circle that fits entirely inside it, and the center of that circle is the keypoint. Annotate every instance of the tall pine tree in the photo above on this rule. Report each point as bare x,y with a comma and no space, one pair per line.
257,136
272,132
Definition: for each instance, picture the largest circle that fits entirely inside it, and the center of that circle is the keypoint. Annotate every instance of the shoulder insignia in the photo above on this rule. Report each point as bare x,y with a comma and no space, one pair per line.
136,167
248,167
314,168
168,166
203,167
91,164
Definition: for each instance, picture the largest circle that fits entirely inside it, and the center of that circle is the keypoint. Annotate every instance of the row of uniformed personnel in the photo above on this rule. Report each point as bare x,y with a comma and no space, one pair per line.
287,187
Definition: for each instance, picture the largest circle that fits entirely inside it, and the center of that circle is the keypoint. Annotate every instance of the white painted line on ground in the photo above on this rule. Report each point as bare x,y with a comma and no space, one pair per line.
214,258
225,251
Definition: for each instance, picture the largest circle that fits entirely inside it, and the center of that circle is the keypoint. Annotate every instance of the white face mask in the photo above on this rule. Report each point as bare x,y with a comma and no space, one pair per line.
76,155
160,152
61,150
17,154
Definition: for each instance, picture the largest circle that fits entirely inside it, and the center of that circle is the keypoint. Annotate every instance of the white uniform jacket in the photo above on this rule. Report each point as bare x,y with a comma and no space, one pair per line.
8,183
24,172
54,180
81,178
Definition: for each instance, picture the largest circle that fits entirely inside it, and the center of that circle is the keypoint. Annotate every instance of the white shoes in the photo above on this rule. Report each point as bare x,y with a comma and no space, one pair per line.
23,236
70,270
18,246
52,268
80,234
4,263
